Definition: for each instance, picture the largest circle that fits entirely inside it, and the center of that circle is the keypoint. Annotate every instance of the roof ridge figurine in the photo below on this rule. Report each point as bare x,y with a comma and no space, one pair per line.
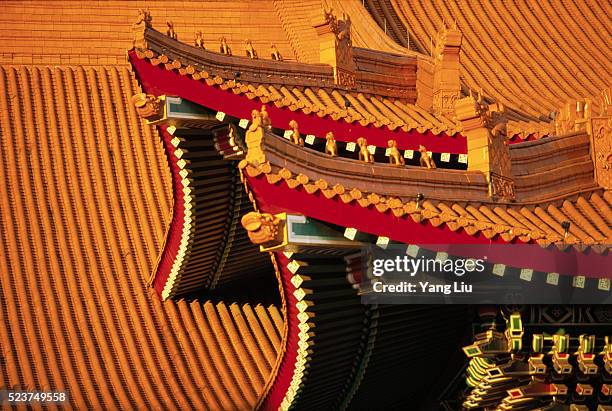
170,32
224,48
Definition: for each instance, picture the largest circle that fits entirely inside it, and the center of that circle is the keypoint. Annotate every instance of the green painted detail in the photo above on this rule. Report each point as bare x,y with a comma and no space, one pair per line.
180,108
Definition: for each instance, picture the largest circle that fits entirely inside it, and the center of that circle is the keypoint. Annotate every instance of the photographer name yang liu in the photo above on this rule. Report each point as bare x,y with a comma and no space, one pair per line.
423,287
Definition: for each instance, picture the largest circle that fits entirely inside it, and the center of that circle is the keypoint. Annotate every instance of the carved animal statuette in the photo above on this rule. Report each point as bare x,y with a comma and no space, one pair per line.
256,120
275,53
364,154
330,145
426,160
262,228
254,140
199,40
224,48
395,156
170,32
265,119
147,106
250,51
295,135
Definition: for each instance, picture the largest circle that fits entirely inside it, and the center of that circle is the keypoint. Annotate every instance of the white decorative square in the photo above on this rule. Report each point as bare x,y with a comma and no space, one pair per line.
526,274
372,149
603,284
288,254
552,278
293,266
499,269
350,146
310,139
409,154
350,233
243,123
412,250
220,115
463,158
387,151
171,130
382,242
429,153
288,134
579,281
445,157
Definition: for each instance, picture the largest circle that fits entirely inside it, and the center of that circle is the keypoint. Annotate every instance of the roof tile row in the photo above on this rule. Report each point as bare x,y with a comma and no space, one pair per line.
84,201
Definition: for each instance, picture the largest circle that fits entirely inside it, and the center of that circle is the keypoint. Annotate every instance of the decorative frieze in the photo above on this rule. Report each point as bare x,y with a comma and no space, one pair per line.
485,129
446,82
336,47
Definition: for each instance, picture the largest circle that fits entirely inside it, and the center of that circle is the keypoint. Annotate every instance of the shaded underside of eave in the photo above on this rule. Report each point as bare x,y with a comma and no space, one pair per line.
85,200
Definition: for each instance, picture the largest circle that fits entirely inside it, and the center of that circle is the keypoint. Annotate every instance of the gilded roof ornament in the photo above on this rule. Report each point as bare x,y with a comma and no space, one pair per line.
426,160
275,54
144,16
254,140
265,119
262,228
295,133
143,22
250,51
148,106
330,145
199,40
170,31
395,157
364,154
224,48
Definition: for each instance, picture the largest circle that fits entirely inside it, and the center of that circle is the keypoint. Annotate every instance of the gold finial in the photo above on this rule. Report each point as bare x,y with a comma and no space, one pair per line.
364,154
394,154
330,145
426,160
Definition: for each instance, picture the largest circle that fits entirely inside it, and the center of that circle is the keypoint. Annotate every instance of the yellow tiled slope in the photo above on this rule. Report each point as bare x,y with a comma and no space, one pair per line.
531,55
99,32
84,203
